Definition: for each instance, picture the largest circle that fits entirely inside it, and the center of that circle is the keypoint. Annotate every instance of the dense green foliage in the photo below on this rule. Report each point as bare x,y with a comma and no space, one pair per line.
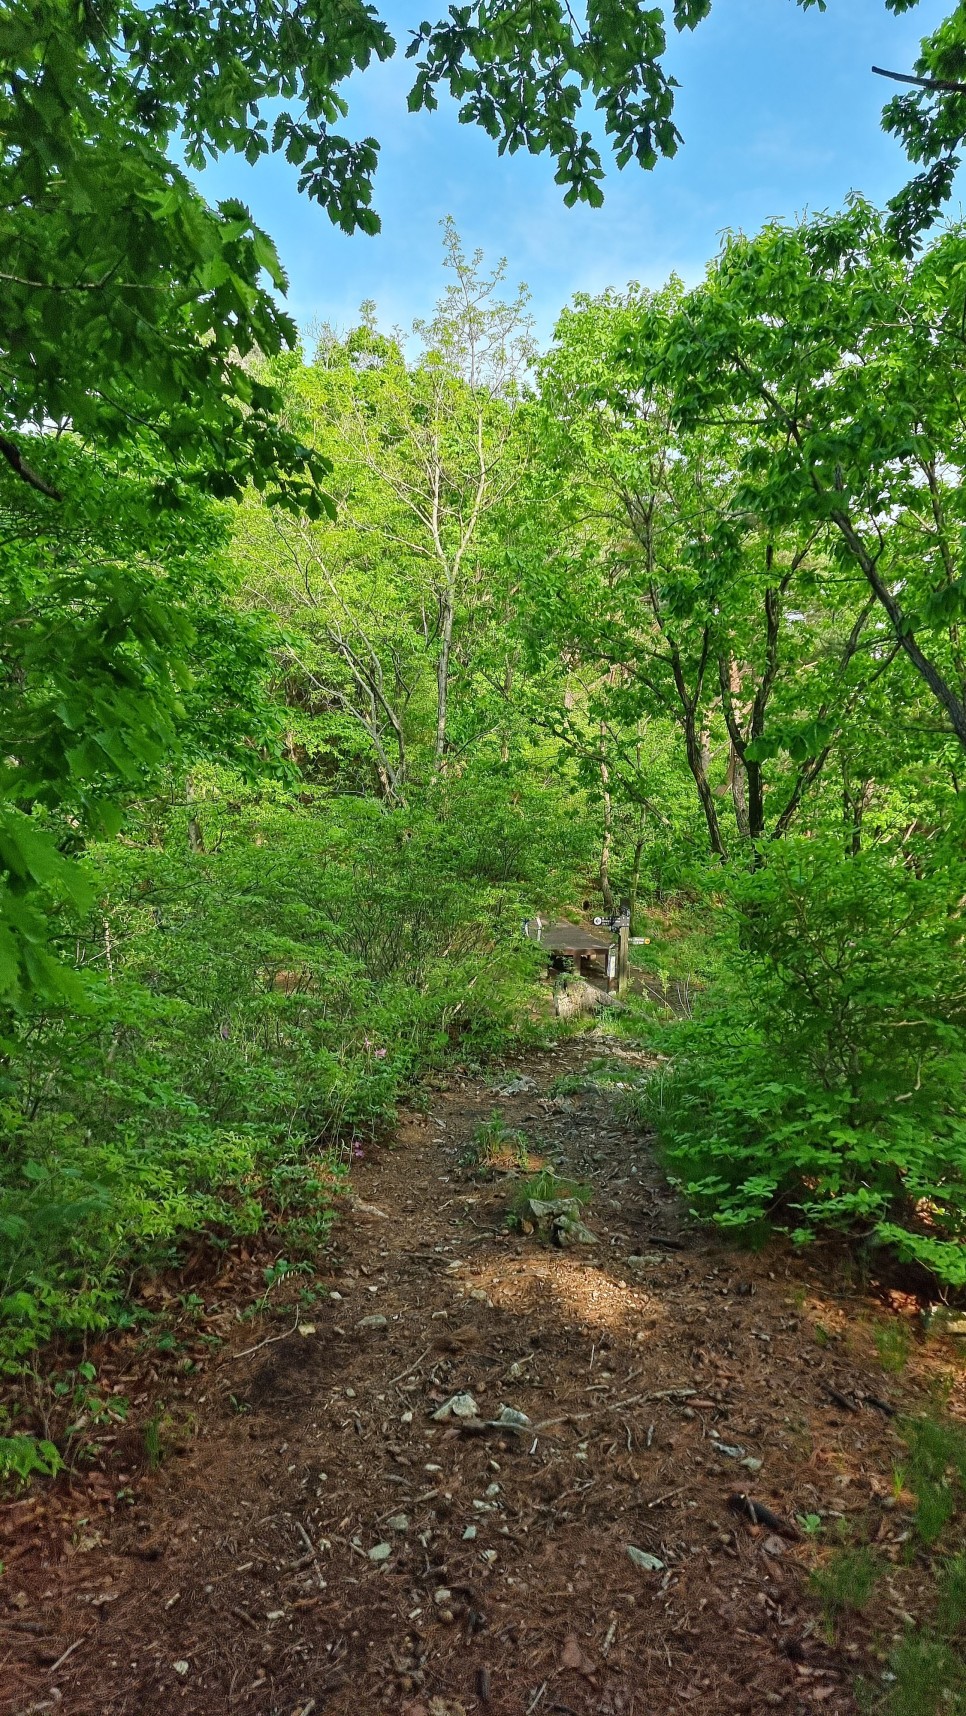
742,554
247,1010
821,1083
320,673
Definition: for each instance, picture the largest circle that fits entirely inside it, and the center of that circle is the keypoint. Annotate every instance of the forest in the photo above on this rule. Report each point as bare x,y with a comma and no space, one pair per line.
332,654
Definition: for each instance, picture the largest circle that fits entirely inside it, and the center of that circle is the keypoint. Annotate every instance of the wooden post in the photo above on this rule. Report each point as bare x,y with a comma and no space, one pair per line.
623,947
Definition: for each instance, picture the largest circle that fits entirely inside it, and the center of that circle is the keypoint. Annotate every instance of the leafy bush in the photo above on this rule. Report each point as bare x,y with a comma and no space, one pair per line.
248,1009
822,1082
24,1457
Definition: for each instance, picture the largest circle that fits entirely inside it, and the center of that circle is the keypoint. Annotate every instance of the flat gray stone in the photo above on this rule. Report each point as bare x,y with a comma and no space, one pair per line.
457,1406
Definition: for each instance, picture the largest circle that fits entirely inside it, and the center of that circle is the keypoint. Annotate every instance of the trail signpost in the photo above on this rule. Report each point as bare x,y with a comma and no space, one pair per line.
620,923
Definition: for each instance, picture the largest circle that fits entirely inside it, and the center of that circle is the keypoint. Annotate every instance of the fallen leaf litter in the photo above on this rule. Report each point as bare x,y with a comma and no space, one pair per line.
512,1488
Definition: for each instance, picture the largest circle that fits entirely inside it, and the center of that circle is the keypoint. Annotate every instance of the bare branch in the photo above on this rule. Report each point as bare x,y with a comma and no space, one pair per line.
15,459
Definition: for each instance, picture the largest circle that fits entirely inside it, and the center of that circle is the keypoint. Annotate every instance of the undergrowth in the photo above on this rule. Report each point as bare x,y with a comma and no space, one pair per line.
547,1187
926,1668
494,1144
251,1011
820,1082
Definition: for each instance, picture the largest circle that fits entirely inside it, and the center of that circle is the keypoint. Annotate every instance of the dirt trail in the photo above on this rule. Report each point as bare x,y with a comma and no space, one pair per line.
251,1574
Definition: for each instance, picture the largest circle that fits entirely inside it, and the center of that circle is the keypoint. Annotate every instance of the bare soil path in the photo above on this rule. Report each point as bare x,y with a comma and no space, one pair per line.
322,1546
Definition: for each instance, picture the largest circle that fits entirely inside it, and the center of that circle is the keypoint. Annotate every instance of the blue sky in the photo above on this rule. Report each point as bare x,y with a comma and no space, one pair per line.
780,114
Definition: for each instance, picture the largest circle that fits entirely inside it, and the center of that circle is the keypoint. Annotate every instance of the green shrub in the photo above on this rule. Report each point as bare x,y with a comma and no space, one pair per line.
24,1457
822,1083
250,1009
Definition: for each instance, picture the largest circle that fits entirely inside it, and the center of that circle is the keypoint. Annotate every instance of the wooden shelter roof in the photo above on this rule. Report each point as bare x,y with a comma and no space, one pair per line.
569,938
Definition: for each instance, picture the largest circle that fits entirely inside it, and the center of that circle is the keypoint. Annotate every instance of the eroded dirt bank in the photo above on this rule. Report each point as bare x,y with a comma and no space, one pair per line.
323,1545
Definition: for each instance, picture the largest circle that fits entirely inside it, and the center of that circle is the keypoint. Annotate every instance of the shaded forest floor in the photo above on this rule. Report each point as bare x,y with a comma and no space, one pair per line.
313,1541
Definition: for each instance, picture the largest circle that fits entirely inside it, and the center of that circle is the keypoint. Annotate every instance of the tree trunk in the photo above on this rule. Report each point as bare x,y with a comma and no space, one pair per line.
855,804
442,677
196,840
902,627
698,759
507,691
737,779
636,879
606,844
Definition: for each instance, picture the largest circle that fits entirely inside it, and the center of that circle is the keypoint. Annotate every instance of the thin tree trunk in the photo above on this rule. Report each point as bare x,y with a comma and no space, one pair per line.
636,879
855,804
196,840
698,759
696,741
736,777
507,691
902,627
442,678
606,844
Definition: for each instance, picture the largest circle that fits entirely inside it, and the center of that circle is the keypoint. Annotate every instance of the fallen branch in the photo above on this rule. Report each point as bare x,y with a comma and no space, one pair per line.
759,1514
68,1652
404,1373
267,1342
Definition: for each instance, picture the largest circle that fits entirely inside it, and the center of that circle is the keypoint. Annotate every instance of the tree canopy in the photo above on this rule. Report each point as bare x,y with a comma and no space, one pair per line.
132,305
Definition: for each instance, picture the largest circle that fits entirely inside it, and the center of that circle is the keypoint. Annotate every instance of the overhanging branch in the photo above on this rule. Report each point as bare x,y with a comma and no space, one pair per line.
943,84
15,459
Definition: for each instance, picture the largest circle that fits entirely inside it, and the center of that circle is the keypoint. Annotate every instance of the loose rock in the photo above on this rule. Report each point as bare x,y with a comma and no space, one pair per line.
508,1418
457,1406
